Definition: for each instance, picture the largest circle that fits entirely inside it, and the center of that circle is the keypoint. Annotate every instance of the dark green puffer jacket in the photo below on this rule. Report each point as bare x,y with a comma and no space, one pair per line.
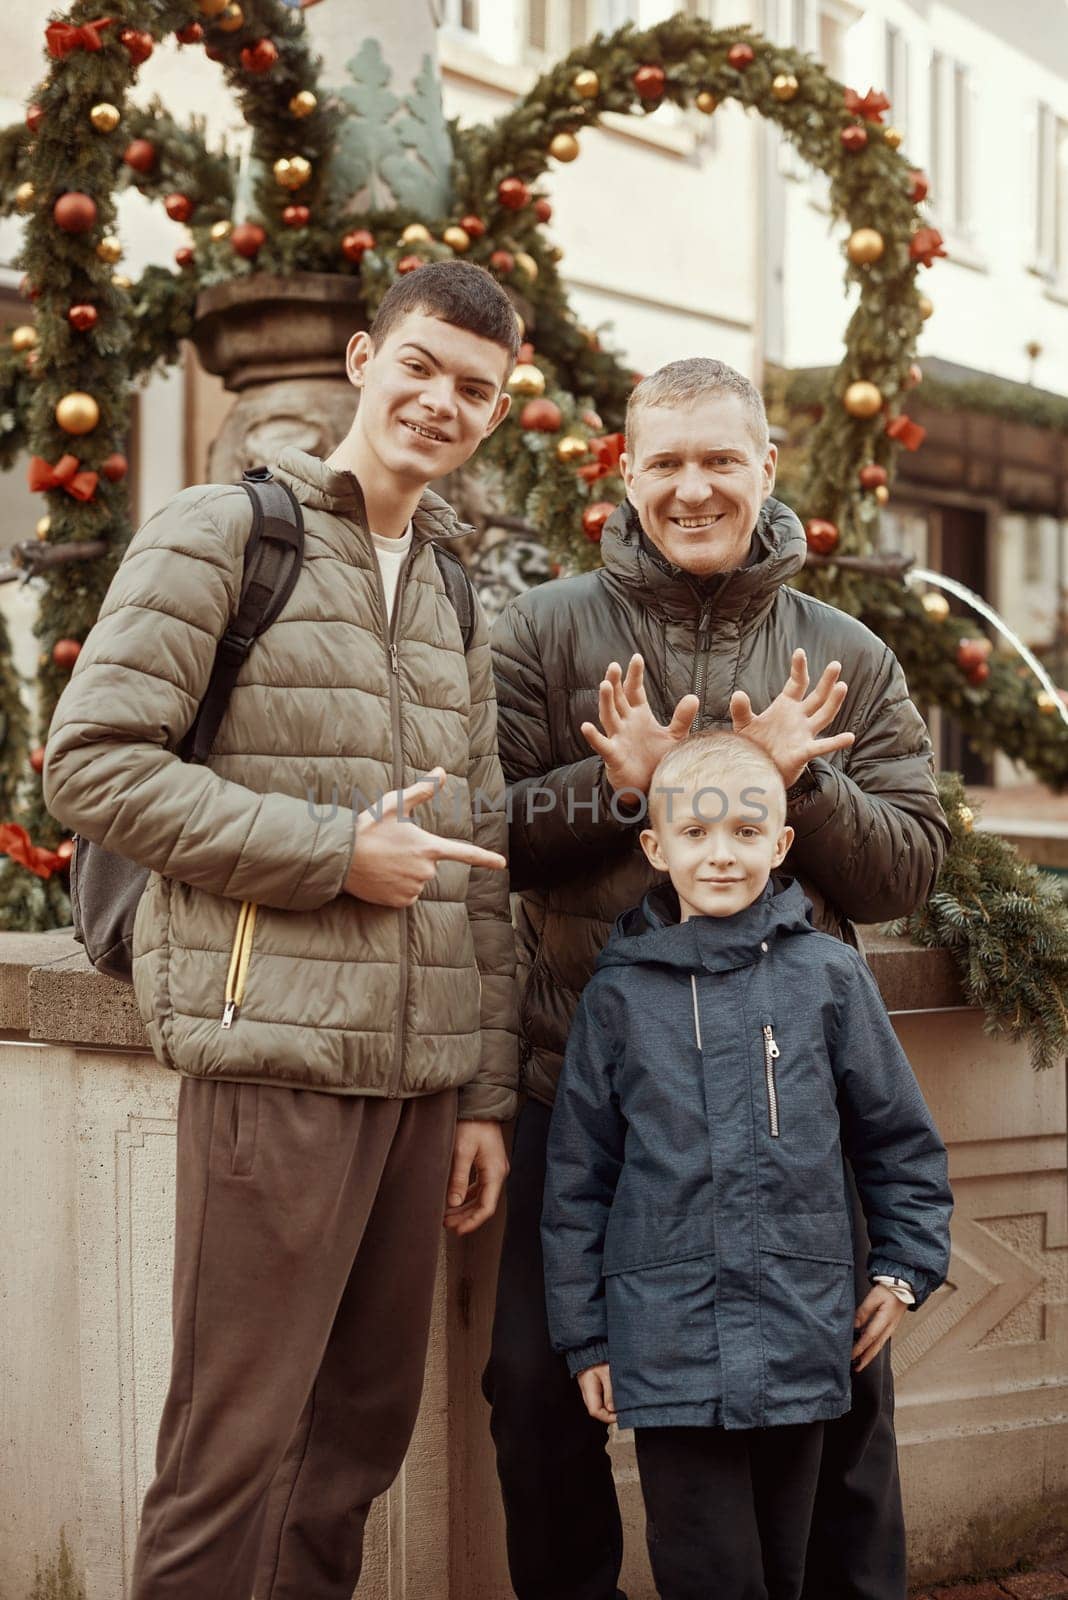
870,834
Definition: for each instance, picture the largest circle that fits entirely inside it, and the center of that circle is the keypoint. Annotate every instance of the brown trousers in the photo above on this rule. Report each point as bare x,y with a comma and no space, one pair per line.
305,1251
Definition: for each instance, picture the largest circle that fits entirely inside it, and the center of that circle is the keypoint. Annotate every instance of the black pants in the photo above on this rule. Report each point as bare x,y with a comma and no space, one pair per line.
728,1514
564,1532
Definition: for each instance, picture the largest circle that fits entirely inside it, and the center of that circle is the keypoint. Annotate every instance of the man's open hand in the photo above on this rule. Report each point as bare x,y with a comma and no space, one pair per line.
632,743
479,1168
787,731
394,859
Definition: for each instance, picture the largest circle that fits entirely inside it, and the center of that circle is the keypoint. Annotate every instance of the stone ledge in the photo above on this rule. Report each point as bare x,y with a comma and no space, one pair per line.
49,991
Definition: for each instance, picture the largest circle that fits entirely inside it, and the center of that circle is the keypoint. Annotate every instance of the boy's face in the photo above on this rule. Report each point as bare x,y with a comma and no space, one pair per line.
719,838
428,396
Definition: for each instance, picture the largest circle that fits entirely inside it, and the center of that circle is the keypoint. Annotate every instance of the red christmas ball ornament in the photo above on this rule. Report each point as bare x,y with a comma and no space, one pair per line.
37,758
543,210
872,476
115,467
83,317
192,33
356,243
919,186
409,263
65,653
259,57
140,154
914,376
248,239
502,261
137,45
213,52
822,536
178,207
75,212
185,256
741,55
513,194
473,225
296,216
979,673
541,416
854,138
972,654
34,117
594,518
651,81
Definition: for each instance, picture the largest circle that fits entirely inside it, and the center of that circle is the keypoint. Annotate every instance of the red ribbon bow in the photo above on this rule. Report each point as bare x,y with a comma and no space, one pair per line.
64,475
607,452
925,245
63,37
15,842
870,106
905,431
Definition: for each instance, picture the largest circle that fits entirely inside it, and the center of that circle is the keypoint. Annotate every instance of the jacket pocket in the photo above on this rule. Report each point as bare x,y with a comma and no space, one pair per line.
807,1303
771,1085
244,1119
662,1340
240,956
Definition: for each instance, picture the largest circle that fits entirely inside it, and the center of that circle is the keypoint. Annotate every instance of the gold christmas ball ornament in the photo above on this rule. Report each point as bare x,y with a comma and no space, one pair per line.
231,18
221,229
564,147
926,306
527,264
77,413
863,399
882,494
571,448
121,281
865,246
1046,702
302,104
966,818
109,250
43,528
105,117
586,84
212,8
936,606
893,137
24,196
527,379
292,172
415,233
23,338
784,86
457,239
706,102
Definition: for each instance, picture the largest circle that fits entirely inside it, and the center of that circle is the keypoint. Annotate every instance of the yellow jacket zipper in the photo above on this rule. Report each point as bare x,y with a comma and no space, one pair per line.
240,955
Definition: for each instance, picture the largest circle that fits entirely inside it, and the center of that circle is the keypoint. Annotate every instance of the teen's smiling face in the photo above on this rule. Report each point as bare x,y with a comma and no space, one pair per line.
429,395
697,479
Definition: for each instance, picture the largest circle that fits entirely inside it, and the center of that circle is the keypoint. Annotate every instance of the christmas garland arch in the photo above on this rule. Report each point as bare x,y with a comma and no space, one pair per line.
65,379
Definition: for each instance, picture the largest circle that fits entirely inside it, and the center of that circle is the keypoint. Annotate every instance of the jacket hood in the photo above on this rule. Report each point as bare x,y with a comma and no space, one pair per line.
323,488
632,561
652,933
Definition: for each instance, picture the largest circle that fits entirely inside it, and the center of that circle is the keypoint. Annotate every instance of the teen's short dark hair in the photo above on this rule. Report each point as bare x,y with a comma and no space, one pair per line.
457,292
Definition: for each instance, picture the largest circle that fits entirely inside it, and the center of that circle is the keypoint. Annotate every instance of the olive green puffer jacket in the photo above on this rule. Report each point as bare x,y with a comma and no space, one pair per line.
249,854
870,834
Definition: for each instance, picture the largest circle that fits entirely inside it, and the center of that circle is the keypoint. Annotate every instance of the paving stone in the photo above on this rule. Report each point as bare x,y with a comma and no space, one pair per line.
971,1591
1037,1586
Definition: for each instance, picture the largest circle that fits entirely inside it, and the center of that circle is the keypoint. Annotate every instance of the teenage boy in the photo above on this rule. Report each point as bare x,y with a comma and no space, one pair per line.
696,1229
372,958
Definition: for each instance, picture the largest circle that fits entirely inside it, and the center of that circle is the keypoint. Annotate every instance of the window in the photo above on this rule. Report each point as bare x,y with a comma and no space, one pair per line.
461,14
556,27
1051,196
896,72
950,143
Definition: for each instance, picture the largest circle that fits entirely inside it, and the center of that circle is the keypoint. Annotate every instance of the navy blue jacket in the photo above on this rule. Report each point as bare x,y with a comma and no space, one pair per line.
697,1226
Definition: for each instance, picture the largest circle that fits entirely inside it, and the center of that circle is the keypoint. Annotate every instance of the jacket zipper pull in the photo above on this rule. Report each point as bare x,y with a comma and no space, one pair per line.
393,657
769,1037
228,1013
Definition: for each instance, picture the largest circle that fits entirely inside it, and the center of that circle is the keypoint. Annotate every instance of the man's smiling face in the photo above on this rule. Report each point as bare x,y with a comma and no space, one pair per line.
429,395
697,478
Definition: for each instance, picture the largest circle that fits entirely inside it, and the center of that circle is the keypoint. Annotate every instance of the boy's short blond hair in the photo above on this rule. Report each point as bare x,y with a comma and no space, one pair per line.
711,755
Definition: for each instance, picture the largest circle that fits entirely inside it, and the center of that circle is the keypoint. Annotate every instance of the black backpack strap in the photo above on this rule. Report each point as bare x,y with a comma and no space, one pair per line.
273,558
459,589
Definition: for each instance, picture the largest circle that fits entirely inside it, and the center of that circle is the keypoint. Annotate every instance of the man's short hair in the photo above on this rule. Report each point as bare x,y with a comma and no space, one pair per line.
680,383
704,759
456,291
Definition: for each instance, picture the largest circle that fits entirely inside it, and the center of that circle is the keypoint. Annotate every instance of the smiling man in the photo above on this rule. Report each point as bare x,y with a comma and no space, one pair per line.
318,1135
694,594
